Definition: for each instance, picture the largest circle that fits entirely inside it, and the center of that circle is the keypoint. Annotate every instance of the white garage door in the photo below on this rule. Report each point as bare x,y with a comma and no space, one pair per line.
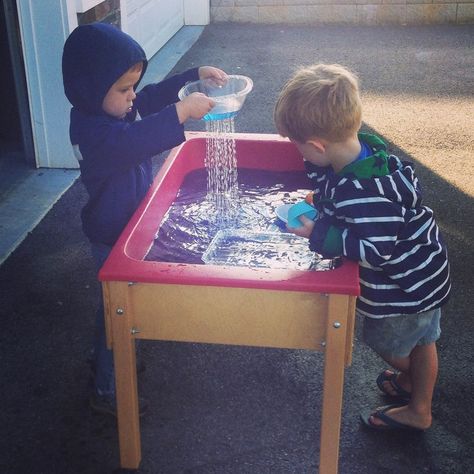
152,22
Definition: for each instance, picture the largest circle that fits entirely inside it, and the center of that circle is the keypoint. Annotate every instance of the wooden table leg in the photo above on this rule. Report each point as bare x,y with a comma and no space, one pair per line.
334,358
123,344
121,321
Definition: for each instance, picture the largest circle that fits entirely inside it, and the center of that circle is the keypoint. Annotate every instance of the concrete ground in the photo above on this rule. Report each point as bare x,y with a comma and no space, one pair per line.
218,409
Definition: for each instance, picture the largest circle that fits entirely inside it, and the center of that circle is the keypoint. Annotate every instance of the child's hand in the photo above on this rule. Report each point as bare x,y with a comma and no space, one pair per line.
214,73
195,106
305,230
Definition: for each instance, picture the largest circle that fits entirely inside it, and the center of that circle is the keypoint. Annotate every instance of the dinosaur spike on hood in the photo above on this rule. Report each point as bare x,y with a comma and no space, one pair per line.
94,57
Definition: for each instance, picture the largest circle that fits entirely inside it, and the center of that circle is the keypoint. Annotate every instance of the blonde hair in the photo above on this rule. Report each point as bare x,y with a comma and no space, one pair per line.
319,101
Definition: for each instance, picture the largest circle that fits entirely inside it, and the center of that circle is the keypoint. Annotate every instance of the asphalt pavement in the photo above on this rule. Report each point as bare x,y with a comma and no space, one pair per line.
220,409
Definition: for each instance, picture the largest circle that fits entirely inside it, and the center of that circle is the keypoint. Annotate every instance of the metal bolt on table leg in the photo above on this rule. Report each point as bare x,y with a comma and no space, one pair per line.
337,325
119,311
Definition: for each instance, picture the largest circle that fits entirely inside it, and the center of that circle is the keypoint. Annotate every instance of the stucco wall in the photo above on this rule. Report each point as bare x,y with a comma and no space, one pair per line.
365,12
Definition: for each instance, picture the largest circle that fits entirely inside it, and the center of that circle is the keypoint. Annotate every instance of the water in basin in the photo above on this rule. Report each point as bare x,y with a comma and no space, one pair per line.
187,229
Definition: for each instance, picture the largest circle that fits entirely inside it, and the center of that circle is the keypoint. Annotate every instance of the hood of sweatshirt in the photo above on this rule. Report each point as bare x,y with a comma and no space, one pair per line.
384,175
95,56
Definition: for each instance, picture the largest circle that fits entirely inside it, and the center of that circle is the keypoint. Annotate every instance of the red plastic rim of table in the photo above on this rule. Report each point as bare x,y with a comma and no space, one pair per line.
256,151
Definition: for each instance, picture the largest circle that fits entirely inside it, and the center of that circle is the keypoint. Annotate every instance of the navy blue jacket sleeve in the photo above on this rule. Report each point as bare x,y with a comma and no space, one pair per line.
154,97
113,146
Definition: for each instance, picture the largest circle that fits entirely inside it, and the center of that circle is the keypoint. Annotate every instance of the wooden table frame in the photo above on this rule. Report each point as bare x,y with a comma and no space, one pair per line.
239,316
260,307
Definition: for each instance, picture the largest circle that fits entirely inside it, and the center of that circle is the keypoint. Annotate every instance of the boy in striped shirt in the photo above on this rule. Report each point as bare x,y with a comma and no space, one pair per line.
370,210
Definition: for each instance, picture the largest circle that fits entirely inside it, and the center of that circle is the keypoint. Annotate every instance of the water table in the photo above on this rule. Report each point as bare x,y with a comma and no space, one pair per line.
222,304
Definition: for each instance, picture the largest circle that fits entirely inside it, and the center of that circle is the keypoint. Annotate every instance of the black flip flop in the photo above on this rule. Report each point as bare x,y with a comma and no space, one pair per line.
392,378
390,423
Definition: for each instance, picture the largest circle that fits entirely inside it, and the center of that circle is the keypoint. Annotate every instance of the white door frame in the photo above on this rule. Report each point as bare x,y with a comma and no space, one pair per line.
44,27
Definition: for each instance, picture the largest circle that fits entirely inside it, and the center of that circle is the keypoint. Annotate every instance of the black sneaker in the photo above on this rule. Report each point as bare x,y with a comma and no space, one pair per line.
108,405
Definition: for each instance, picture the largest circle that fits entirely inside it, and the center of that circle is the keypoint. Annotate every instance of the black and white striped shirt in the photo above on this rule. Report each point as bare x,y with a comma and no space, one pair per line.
372,212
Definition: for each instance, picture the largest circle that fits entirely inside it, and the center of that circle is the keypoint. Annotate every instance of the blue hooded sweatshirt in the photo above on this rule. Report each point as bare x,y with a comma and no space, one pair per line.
115,154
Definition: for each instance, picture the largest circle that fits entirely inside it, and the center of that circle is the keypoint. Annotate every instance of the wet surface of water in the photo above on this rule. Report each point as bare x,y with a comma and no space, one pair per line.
188,227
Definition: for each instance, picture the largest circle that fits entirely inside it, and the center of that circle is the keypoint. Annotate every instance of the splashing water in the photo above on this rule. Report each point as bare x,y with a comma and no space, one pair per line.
221,164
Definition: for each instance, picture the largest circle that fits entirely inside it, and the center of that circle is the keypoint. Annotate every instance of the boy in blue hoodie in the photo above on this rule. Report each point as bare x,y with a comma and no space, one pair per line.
370,210
115,132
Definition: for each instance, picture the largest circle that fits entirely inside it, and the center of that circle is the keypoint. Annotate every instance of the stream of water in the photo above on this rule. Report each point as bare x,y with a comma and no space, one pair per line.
221,165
